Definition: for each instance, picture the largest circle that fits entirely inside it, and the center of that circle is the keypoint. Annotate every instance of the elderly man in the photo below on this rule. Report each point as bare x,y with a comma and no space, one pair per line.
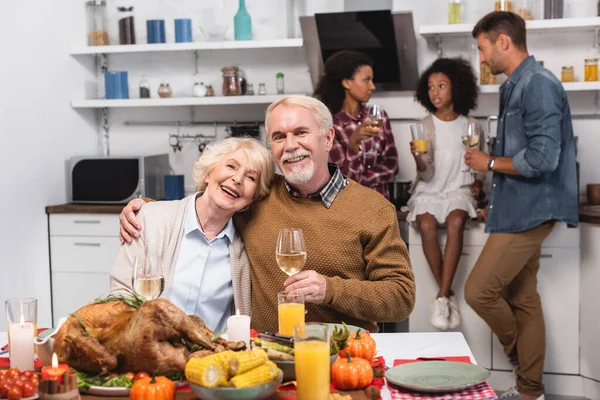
534,185
357,270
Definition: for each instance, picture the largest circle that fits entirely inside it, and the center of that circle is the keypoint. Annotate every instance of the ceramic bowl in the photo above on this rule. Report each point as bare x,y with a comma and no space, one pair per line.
258,392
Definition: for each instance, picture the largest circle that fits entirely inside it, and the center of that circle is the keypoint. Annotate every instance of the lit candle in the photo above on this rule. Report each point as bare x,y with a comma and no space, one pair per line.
238,328
21,345
55,371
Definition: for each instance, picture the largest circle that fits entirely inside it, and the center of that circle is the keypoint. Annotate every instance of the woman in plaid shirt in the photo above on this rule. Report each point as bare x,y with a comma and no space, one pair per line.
364,151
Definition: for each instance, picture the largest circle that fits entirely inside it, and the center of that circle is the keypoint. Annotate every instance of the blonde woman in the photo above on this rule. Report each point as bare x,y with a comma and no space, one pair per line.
206,269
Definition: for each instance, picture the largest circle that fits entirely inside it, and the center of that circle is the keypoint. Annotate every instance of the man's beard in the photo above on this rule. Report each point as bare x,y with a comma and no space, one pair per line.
298,174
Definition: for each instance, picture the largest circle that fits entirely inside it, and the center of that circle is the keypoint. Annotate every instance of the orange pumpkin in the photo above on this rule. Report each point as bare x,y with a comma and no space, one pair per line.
155,388
351,373
361,345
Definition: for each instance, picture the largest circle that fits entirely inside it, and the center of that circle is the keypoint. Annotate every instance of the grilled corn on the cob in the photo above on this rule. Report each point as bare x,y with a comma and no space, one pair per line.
265,373
210,371
244,361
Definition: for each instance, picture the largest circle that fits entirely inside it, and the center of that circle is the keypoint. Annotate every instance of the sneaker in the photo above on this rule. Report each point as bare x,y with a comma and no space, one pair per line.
440,313
513,394
454,320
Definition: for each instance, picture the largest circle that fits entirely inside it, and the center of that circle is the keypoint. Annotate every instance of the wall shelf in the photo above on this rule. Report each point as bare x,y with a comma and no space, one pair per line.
537,26
177,101
194,46
569,87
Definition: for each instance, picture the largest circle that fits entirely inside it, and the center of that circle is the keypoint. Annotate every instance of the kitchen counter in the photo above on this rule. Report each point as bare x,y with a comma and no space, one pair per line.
589,214
72,208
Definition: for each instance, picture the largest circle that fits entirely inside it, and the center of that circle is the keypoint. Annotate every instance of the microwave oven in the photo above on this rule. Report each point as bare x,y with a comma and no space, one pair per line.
116,179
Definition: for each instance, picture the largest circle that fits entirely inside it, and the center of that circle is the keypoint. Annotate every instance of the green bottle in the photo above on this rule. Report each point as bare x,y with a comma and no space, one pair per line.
242,23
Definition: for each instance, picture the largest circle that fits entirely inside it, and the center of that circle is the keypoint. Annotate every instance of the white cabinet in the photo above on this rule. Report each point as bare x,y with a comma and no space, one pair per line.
83,248
590,301
558,285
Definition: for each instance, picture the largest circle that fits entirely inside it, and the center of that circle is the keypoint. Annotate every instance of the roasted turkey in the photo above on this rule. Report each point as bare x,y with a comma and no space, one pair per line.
115,336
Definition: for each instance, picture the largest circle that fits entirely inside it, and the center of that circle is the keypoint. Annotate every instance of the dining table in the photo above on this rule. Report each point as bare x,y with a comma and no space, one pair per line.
391,346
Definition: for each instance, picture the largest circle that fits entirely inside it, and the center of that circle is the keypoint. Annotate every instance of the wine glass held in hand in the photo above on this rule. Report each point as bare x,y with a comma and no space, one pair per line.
470,138
290,250
148,279
375,116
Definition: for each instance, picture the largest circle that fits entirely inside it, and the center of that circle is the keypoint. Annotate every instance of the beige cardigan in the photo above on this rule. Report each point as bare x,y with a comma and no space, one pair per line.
428,157
162,232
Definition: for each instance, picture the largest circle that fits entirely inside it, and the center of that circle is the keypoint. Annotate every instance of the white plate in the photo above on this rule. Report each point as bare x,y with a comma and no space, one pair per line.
35,396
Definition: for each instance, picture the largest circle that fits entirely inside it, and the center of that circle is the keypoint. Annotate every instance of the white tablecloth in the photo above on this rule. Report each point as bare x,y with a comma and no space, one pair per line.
394,346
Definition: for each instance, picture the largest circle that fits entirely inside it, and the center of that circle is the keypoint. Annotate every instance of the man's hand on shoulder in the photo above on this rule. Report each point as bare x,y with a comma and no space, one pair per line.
312,285
129,225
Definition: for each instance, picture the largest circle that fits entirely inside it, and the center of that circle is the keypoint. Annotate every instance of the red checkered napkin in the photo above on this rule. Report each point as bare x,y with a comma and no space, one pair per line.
482,391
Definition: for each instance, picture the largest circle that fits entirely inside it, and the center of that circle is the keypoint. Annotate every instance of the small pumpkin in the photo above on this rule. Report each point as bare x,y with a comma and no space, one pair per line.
154,388
349,373
361,345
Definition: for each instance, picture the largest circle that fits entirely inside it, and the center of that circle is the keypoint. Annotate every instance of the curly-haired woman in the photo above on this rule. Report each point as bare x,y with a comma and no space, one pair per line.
444,191
365,152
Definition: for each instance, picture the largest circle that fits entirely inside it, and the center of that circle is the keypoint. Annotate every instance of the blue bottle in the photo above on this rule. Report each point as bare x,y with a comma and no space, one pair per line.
242,23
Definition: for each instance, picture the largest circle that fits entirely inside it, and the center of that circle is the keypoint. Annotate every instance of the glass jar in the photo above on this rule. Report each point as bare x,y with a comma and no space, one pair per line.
164,90
454,16
144,88
504,5
279,83
485,75
231,81
262,89
210,91
126,25
525,9
96,15
250,90
591,70
567,74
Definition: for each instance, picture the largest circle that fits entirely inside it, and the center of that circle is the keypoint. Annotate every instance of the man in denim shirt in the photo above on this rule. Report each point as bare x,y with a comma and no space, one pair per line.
534,185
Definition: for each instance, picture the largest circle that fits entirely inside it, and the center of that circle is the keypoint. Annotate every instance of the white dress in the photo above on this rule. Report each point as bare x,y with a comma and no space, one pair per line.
450,187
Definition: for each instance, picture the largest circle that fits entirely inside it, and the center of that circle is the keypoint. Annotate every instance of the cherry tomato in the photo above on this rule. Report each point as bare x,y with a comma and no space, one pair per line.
28,389
13,373
23,378
35,381
113,375
129,375
28,373
14,393
9,382
18,383
3,390
141,375
2,372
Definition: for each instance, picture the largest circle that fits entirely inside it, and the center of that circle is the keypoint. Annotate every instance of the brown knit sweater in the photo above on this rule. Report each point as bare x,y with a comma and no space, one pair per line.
355,244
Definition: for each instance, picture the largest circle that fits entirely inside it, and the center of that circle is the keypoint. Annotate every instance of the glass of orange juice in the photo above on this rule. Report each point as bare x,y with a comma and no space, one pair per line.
418,136
27,307
290,311
311,355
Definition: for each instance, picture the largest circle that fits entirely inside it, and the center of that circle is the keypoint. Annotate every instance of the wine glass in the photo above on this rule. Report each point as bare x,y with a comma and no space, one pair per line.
375,114
470,138
148,280
290,250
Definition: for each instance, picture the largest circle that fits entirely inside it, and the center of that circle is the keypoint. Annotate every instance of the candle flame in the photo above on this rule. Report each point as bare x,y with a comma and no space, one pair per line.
237,312
54,360
22,320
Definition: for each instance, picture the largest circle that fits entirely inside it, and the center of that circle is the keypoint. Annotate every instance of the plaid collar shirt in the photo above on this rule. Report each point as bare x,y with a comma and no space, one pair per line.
375,164
336,184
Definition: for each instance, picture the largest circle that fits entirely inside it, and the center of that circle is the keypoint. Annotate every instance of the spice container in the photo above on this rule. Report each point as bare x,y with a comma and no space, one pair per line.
250,90
591,70
126,25
164,90
231,81
199,90
485,75
96,13
454,16
567,74
144,88
279,83
504,5
525,9
210,91
262,89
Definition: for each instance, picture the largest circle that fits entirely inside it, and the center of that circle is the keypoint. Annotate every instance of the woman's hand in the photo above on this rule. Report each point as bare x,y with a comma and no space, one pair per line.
365,130
130,226
477,189
482,213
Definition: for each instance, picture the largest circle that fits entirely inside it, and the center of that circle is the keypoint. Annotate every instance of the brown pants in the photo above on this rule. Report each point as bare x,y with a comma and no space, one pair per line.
502,289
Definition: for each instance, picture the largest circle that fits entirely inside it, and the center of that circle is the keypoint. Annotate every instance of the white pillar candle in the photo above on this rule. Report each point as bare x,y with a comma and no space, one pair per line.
238,328
21,345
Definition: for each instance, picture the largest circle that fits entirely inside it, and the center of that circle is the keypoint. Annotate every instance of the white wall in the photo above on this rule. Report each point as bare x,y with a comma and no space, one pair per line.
39,129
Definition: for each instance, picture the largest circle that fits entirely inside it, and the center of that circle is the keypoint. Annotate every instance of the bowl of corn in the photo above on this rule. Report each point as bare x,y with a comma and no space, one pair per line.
243,375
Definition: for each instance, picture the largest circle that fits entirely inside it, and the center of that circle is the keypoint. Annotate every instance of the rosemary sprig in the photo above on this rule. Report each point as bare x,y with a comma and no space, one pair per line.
85,331
217,335
133,301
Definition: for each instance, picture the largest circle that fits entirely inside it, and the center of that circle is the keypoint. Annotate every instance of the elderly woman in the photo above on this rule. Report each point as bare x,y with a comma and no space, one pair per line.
206,269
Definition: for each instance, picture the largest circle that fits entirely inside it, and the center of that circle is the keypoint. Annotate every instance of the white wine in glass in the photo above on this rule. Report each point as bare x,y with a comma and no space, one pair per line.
148,279
375,114
470,139
290,250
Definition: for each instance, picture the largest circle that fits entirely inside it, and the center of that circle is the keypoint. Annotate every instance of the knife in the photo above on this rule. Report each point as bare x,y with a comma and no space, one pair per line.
275,337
